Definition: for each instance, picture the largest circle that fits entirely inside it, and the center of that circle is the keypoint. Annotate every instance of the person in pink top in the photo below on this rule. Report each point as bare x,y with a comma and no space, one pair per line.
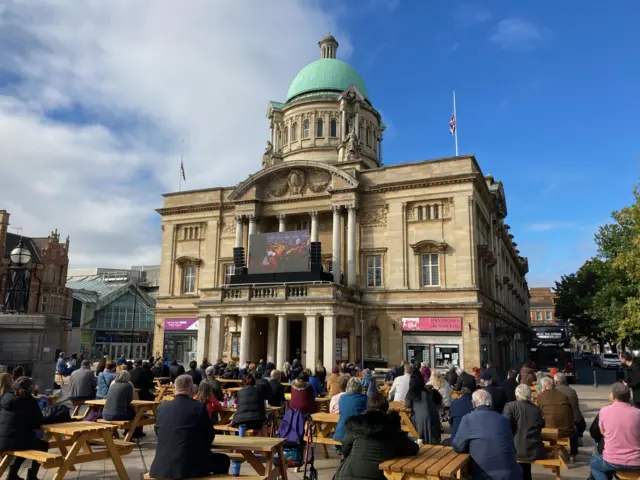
620,425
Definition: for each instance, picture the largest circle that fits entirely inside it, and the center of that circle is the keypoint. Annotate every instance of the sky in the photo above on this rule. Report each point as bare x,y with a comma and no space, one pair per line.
96,97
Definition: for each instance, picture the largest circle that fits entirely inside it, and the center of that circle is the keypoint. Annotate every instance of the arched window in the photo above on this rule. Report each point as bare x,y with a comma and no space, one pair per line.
333,128
305,129
286,135
348,128
368,137
294,132
319,126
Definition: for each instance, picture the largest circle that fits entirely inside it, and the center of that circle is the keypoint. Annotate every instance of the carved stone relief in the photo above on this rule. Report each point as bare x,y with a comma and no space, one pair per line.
228,227
375,216
296,182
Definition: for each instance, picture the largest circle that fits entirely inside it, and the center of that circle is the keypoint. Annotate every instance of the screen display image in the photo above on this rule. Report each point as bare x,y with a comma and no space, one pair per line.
277,252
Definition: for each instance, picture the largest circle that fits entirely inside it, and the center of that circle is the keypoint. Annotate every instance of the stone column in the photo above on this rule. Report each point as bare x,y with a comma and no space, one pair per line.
311,342
343,124
281,223
272,133
271,340
281,350
351,246
329,354
314,226
238,231
252,230
202,342
216,339
380,149
335,259
245,339
356,126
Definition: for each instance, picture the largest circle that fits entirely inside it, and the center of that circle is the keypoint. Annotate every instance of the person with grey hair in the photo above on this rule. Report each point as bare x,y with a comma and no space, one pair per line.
210,378
526,423
185,434
486,436
83,383
578,420
353,402
619,422
465,380
556,408
119,398
400,386
277,389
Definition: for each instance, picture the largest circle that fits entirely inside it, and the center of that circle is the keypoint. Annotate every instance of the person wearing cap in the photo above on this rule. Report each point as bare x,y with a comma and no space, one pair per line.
20,416
83,383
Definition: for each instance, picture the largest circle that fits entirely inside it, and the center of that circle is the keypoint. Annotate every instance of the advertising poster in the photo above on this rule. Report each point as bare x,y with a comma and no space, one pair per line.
277,252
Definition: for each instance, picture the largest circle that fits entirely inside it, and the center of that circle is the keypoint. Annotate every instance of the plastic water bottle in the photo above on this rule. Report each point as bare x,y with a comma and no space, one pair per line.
235,466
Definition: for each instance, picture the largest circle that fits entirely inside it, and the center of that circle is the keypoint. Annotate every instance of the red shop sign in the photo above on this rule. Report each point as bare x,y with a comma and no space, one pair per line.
433,324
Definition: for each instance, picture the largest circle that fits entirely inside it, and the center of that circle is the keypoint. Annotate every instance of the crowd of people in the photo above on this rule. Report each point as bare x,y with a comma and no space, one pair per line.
496,420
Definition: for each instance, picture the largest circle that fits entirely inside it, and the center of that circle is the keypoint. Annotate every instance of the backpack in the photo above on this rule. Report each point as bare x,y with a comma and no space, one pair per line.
292,429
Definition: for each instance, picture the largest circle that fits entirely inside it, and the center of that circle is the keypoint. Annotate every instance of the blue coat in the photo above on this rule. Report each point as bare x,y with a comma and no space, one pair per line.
104,381
350,404
486,436
317,386
459,408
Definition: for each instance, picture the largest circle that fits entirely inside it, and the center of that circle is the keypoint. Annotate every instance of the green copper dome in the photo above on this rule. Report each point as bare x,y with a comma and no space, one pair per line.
326,74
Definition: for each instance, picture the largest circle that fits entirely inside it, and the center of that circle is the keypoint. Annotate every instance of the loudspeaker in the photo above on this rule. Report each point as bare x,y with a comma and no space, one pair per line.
315,252
238,257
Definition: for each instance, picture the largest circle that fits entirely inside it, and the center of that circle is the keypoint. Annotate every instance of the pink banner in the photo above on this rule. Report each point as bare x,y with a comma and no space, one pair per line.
432,324
181,324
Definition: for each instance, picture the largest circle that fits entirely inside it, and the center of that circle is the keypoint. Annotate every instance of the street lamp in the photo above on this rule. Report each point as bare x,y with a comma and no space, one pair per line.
17,280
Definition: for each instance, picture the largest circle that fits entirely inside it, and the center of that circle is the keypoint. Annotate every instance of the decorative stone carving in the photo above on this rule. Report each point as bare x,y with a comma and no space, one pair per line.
296,181
446,207
353,146
267,160
375,345
228,227
376,216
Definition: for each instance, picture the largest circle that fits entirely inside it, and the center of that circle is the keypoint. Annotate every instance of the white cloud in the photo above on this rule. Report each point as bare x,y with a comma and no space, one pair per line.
517,34
142,76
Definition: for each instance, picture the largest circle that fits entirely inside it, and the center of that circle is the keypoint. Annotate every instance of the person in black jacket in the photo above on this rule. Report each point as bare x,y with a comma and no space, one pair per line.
19,417
175,370
160,370
465,380
509,386
277,389
231,372
633,375
185,434
452,376
263,384
370,439
194,373
497,394
142,378
251,410
216,386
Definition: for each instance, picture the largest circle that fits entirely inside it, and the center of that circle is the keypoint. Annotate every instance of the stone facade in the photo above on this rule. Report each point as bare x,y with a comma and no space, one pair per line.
423,261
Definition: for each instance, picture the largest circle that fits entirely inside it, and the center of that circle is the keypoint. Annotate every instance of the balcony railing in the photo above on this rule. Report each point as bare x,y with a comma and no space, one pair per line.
261,292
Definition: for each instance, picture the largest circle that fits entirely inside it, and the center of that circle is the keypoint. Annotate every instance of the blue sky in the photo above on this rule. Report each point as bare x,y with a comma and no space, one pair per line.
95,98
547,100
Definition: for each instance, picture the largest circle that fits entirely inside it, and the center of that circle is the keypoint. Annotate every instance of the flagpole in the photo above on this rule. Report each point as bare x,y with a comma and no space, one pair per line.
181,164
455,116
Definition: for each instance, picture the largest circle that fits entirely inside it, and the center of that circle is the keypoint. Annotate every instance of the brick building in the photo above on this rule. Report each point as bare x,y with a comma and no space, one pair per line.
543,306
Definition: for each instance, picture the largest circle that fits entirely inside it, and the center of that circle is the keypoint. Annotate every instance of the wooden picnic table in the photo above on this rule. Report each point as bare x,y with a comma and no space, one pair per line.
164,390
232,390
323,404
229,380
433,462
162,380
79,436
145,415
325,426
248,446
405,418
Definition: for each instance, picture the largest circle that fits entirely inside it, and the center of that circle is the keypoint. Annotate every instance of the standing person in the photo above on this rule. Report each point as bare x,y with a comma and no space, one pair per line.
105,378
486,436
185,434
119,398
251,409
83,383
142,378
526,423
619,422
509,386
334,404
175,370
451,376
370,439
578,420
20,416
633,375
400,386
194,373
353,402
424,414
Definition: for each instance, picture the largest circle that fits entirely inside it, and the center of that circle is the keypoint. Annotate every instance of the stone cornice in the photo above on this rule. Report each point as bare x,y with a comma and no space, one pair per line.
405,185
206,207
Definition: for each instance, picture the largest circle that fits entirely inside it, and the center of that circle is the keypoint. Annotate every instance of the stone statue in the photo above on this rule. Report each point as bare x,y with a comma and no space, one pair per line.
268,153
375,342
353,146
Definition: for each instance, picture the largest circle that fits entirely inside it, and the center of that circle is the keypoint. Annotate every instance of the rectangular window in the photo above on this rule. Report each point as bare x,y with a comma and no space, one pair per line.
189,280
319,128
548,314
538,316
333,128
374,271
420,213
43,304
430,270
305,129
428,212
235,344
229,269
436,212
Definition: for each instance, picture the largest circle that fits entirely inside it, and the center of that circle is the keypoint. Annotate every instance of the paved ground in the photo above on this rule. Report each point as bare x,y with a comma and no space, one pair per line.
591,400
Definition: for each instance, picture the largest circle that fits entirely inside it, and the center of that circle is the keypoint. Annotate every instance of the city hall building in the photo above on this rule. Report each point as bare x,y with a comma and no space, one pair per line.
408,261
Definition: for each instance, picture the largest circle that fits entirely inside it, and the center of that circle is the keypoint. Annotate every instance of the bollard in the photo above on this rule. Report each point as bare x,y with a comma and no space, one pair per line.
595,379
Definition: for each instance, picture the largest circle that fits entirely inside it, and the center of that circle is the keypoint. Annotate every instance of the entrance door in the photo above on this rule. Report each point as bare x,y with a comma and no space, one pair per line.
295,340
419,352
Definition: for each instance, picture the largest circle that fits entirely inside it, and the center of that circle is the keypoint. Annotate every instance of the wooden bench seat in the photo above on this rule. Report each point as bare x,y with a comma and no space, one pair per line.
45,459
234,457
126,424
627,475
215,477
125,448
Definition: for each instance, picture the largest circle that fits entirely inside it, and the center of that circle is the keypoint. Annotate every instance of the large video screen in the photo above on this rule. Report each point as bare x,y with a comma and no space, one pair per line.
279,252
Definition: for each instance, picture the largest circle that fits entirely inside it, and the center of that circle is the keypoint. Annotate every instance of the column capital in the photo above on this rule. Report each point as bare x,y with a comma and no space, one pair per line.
238,218
336,208
282,216
313,213
351,206
252,217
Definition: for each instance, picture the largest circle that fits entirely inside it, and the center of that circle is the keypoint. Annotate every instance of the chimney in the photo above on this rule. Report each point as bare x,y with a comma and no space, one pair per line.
4,226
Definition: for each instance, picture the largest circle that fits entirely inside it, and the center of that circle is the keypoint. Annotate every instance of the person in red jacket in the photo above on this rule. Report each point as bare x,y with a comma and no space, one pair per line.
303,395
206,396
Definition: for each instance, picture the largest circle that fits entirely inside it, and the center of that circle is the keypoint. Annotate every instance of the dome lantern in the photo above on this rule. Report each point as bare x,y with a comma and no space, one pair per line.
328,47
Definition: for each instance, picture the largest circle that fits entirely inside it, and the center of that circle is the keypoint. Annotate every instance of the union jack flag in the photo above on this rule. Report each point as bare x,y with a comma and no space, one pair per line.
182,171
452,124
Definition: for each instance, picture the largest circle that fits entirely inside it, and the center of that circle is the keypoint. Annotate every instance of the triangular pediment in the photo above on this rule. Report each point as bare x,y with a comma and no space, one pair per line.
293,179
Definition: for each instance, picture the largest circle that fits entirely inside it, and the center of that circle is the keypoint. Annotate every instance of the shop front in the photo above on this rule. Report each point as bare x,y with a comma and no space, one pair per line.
130,345
180,339
436,341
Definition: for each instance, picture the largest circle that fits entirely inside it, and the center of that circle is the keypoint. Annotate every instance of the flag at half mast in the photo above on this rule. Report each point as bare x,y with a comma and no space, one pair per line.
182,170
452,124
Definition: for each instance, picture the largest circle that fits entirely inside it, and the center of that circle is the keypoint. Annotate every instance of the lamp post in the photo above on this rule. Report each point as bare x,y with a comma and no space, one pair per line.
133,320
17,280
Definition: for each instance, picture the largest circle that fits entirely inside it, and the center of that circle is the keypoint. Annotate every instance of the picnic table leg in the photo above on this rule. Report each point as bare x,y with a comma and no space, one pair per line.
134,425
4,463
115,455
62,447
254,462
282,466
69,457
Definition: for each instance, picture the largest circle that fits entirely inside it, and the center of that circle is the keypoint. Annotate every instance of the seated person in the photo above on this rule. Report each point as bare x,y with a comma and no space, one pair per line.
61,366
619,423
119,398
142,379
277,389
486,436
556,408
216,386
19,417
175,370
334,403
185,434
105,378
370,439
526,424
303,395
353,402
251,411
83,383
208,398
459,408
194,373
